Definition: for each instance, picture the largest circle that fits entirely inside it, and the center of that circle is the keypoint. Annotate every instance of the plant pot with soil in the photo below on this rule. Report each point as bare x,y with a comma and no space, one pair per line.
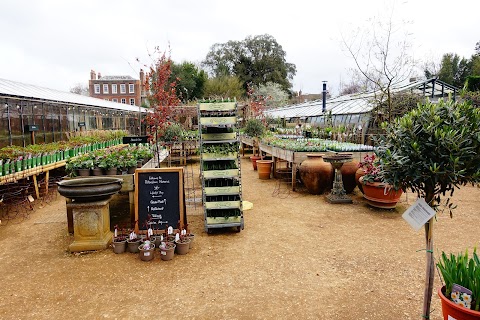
146,251
133,242
167,250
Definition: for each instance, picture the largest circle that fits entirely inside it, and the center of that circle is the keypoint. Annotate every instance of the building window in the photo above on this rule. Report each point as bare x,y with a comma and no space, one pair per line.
105,88
123,88
96,88
131,88
132,101
115,100
124,100
114,88
106,99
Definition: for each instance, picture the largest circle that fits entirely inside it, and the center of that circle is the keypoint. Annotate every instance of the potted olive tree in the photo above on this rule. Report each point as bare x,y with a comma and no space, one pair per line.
432,150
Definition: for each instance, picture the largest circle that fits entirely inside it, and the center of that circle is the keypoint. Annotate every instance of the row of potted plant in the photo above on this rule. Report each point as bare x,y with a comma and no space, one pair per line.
109,161
315,145
16,159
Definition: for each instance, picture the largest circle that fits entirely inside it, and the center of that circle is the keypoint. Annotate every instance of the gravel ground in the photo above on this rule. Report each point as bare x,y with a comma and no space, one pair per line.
299,257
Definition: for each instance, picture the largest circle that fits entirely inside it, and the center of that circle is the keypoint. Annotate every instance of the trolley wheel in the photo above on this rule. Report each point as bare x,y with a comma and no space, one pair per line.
238,229
209,231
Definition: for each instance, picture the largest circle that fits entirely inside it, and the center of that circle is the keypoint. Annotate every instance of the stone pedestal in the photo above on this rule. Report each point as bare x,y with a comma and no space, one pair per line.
91,223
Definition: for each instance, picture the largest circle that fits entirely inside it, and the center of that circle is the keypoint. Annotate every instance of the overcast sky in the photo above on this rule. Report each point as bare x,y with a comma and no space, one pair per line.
55,44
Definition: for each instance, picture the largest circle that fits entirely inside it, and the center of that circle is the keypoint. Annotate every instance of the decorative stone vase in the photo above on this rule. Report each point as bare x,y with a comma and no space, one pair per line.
182,246
83,172
254,161
89,189
146,254
348,171
359,173
133,245
380,195
264,169
119,245
451,310
316,174
167,251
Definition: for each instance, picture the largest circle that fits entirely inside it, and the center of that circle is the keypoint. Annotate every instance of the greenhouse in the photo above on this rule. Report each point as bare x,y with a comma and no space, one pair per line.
55,113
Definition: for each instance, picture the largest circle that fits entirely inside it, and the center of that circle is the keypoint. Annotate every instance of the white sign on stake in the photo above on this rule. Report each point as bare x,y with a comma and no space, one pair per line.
418,214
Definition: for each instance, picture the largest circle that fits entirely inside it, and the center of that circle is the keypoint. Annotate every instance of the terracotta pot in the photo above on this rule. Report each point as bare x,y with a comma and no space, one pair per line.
97,171
254,161
264,169
380,195
359,173
348,171
83,172
131,170
316,174
451,310
111,172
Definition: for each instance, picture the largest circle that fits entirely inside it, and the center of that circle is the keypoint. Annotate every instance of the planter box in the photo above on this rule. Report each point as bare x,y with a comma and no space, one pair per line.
221,220
219,106
218,156
220,173
223,205
212,191
218,120
219,136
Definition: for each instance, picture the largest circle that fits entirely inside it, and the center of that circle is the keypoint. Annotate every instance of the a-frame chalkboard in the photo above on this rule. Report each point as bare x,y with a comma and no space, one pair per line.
159,193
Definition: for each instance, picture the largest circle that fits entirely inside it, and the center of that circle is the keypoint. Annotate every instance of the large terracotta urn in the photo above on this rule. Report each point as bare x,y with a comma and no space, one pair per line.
316,174
380,195
359,173
348,171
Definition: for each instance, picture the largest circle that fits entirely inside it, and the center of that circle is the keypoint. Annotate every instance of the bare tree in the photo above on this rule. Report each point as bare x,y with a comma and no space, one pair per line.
381,54
80,88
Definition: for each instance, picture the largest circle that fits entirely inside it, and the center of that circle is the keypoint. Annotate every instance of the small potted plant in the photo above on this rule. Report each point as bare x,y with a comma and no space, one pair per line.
133,242
148,246
119,243
378,193
461,293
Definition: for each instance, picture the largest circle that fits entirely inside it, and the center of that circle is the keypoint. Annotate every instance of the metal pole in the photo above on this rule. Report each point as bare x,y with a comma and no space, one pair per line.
324,97
9,123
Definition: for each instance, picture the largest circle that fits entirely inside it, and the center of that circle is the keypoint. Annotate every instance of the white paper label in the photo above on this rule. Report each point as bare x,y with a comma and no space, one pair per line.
30,198
146,254
115,233
163,253
451,318
170,230
418,214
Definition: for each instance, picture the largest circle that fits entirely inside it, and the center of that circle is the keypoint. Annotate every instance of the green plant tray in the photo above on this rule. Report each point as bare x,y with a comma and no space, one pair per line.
223,205
220,173
218,156
219,106
219,136
222,220
218,120
213,191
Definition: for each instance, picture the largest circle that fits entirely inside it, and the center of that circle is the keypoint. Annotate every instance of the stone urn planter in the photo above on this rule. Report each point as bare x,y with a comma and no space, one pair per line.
380,195
316,174
89,189
264,169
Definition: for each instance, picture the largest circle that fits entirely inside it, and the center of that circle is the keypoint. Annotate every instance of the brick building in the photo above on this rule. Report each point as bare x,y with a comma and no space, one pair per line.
121,89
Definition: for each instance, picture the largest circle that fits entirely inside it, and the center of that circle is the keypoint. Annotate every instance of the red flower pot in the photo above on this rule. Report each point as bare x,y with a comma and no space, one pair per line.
451,310
254,161
380,195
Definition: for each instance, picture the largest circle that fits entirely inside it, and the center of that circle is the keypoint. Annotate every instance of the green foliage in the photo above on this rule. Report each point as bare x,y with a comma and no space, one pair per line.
173,132
254,128
221,149
278,97
258,60
472,83
190,81
454,70
462,270
224,86
433,149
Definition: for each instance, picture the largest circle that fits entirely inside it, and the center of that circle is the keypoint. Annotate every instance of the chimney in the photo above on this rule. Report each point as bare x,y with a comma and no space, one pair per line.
324,97
142,82
99,75
92,75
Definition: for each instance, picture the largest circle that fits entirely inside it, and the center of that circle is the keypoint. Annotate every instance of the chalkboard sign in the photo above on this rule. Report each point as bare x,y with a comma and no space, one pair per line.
159,193
81,124
31,127
139,139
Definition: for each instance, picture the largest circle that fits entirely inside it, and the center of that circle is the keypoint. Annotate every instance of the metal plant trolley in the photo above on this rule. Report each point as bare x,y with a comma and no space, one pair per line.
220,165
338,194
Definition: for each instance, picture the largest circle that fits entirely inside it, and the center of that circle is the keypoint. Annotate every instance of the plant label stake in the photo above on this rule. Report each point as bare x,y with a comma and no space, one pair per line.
418,214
